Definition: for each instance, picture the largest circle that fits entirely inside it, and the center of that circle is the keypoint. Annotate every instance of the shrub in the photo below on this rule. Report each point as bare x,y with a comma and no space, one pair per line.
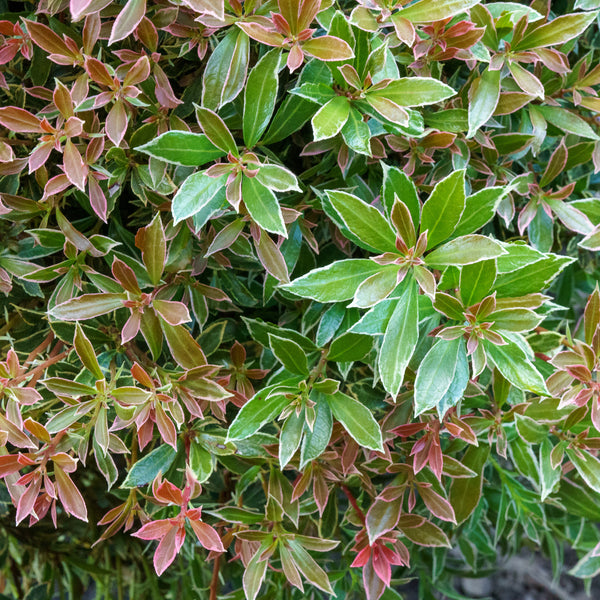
299,296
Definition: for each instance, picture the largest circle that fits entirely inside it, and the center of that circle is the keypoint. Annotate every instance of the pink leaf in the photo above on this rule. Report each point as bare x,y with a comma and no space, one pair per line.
27,500
69,495
155,530
168,548
207,536
128,19
97,198
75,168
116,123
174,313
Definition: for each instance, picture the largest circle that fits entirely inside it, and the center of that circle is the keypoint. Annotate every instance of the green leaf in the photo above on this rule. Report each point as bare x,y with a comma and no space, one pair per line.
225,73
356,419
335,282
88,306
262,205
377,287
442,211
289,354
400,340
195,193
483,99
152,243
330,118
200,462
556,32
308,567
215,130
184,348
277,178
426,534
514,365
436,373
260,331
476,281
255,573
530,278
85,351
328,325
428,11
260,96
530,430
566,120
147,468
263,407
587,465
356,133
480,208
364,221
465,493
415,91
291,435
350,347
549,477
182,148
465,251
315,441
397,183
382,517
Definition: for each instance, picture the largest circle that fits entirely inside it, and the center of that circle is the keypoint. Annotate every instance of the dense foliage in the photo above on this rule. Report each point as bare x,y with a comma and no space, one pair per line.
299,296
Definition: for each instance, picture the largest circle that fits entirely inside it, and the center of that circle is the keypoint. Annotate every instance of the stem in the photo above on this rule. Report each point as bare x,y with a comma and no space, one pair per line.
214,582
37,371
318,369
352,500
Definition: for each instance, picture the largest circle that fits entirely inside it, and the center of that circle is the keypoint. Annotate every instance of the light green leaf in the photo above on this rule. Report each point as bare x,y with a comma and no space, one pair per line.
147,468
556,32
442,211
262,408
335,282
476,281
289,354
262,205
397,183
182,148
480,208
587,465
415,91
356,419
514,365
465,251
195,193
428,11
260,96
531,278
315,441
436,373
277,178
566,120
400,340
330,118
483,99
225,72
290,437
364,221
356,133
376,288
88,306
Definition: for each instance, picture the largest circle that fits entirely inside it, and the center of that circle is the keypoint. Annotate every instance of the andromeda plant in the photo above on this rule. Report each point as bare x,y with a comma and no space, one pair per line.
299,297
